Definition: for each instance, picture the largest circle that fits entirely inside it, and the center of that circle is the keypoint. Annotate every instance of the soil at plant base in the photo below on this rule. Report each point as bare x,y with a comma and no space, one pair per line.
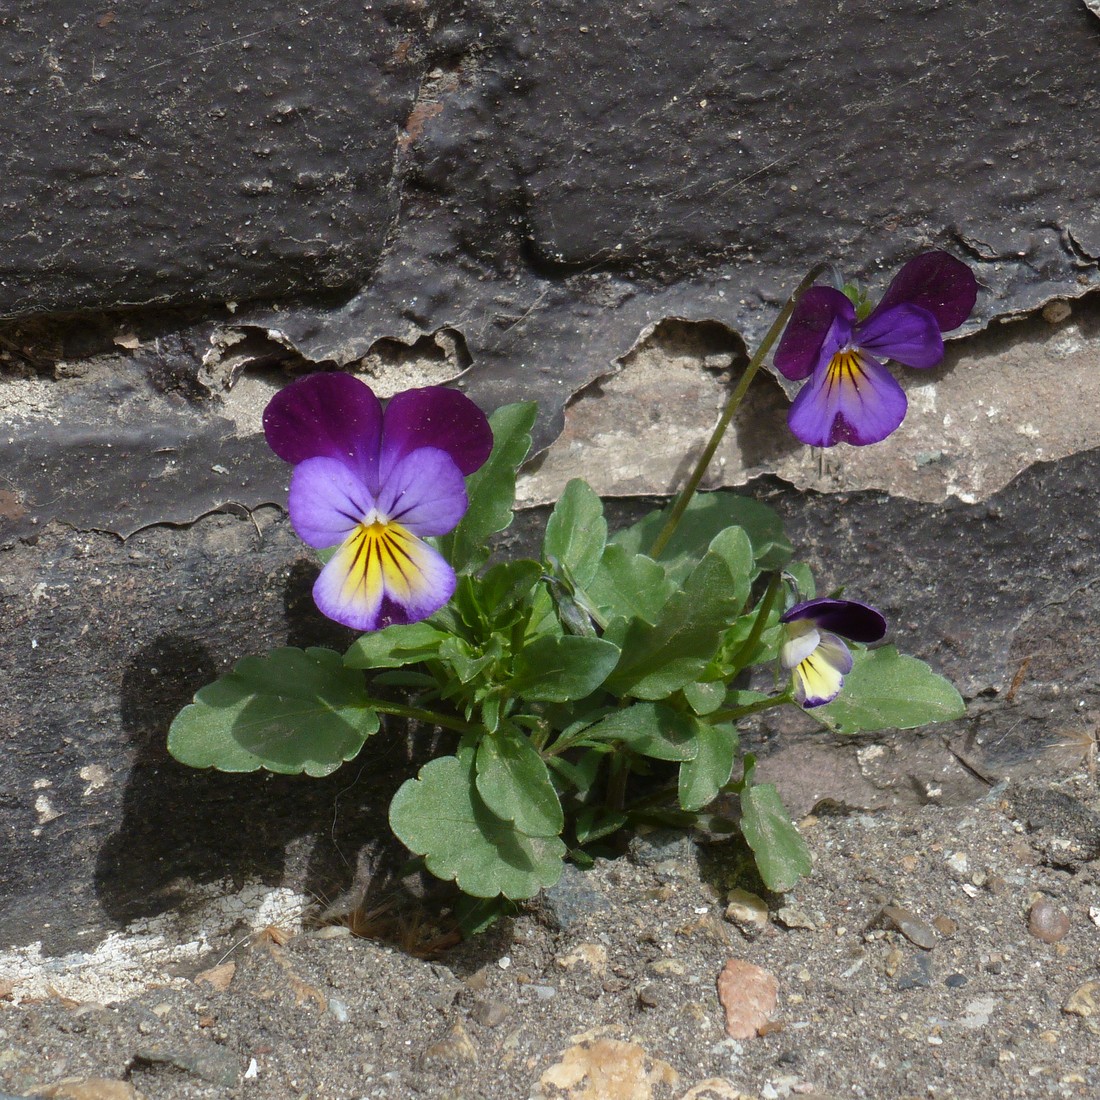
936,951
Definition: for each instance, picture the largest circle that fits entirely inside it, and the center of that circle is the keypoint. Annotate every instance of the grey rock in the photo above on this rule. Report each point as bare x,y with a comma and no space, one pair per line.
571,900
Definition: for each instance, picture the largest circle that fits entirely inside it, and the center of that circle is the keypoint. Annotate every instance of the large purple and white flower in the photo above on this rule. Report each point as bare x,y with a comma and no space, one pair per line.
813,649
850,396
374,484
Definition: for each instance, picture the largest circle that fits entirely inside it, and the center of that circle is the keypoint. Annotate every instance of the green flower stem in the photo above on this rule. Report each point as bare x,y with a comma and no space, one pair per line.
616,781
760,622
734,713
417,714
734,402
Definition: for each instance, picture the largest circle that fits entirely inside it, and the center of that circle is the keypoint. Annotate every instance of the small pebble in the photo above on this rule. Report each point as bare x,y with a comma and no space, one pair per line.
1084,1000
649,996
746,910
490,1013
792,917
955,981
910,926
1056,312
945,926
1047,922
338,1009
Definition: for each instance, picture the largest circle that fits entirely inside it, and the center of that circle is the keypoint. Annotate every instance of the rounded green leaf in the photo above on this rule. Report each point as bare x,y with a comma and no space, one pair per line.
441,816
556,670
289,712
887,690
782,856
702,777
516,786
576,532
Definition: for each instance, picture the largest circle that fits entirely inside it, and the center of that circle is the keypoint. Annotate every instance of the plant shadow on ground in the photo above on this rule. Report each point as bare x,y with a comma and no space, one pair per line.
181,828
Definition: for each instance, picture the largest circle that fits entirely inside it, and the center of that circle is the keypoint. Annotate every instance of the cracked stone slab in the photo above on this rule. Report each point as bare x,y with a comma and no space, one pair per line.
547,188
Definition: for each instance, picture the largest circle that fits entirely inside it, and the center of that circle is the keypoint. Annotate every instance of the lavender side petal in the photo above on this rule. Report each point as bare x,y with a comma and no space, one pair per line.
906,333
424,492
326,501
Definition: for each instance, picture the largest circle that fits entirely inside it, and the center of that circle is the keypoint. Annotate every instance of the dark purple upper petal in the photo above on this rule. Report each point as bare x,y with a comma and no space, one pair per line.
436,417
937,282
848,618
327,416
905,333
813,318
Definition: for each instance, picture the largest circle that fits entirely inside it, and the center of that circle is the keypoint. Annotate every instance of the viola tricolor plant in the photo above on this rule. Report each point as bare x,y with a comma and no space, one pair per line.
603,684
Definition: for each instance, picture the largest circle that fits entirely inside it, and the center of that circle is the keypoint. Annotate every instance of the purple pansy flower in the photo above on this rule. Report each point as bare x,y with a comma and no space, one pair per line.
373,484
814,651
851,397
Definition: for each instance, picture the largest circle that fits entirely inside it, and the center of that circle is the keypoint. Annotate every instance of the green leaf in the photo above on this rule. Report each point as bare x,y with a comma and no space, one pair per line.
467,661
441,816
630,585
595,822
514,782
705,697
492,490
886,690
395,646
581,775
706,515
702,777
650,729
576,533
289,712
502,591
559,669
782,856
658,660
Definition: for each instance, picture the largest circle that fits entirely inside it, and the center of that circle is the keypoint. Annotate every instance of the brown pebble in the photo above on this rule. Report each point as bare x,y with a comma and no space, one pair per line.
1047,922
945,926
910,926
1056,312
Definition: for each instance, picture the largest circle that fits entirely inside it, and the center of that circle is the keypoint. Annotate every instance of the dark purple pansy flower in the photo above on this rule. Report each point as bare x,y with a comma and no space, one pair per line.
813,649
373,484
851,397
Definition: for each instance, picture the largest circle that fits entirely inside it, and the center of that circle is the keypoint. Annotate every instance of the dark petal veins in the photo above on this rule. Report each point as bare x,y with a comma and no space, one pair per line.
937,282
848,618
905,333
810,324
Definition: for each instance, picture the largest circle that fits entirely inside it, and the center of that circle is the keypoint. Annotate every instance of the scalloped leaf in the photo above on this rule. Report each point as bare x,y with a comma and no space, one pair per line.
516,786
440,816
292,711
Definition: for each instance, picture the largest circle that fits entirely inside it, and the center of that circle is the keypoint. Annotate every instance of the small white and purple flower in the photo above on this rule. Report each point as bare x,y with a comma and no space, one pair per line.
373,484
850,396
813,649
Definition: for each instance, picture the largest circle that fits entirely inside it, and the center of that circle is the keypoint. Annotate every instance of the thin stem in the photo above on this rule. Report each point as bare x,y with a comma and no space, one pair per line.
417,714
760,622
734,713
732,405
616,782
